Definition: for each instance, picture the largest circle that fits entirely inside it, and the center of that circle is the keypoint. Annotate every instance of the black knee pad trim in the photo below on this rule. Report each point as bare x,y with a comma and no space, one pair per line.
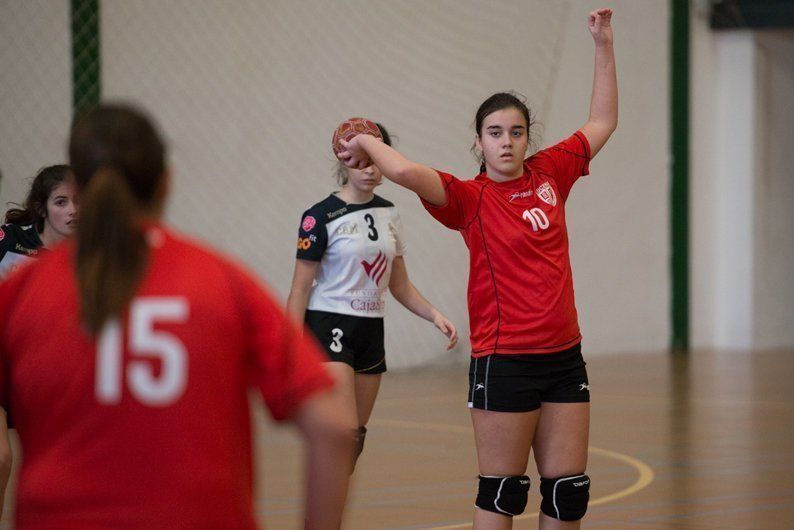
503,495
361,435
565,498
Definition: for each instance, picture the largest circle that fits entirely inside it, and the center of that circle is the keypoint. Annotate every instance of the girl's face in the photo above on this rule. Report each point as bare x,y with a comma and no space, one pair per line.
61,214
364,180
503,141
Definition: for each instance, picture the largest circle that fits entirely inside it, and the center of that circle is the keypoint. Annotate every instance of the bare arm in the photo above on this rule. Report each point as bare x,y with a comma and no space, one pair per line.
603,119
6,458
406,293
329,445
302,280
364,149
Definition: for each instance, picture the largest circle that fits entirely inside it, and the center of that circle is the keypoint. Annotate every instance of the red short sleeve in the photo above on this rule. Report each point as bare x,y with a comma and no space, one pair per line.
287,367
565,162
461,205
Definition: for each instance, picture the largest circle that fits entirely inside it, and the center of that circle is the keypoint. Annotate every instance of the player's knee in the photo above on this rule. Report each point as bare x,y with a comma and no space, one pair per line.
565,498
359,435
503,495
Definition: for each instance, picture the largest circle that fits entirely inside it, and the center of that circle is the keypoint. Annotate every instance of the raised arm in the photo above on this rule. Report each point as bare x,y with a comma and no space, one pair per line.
363,150
302,280
407,294
603,117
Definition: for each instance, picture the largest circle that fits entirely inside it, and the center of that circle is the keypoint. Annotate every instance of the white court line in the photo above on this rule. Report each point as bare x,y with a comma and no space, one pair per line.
644,471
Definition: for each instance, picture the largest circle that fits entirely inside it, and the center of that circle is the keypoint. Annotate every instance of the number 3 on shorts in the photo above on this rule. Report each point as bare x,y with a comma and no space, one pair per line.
336,335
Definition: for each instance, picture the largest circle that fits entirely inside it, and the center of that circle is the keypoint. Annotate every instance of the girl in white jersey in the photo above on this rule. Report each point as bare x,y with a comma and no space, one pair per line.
350,250
48,215
528,388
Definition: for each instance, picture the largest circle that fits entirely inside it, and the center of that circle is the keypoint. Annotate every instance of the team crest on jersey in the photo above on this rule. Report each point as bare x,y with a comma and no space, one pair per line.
546,194
376,269
308,223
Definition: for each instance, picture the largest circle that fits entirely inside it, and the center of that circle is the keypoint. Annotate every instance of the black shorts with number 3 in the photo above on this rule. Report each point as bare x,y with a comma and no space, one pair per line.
356,341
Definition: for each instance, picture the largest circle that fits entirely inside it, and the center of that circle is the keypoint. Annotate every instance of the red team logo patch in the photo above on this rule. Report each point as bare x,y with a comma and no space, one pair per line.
546,194
376,269
308,223
2,233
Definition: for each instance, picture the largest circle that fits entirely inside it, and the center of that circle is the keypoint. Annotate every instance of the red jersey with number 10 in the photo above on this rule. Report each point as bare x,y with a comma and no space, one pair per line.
147,426
520,293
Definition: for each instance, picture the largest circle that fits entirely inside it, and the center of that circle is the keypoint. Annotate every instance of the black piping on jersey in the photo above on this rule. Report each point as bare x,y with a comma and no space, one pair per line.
490,268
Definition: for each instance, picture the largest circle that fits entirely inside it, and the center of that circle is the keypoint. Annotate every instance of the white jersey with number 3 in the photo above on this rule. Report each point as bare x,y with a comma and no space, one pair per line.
355,245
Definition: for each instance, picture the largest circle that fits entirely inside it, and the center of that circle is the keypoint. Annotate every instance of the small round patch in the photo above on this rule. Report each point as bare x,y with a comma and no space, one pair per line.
308,223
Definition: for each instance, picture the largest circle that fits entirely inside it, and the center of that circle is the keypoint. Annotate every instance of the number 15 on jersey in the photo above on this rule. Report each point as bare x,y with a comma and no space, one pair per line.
145,343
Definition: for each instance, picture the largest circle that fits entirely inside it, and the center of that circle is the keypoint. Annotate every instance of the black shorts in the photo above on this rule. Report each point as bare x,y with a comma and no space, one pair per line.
521,382
356,341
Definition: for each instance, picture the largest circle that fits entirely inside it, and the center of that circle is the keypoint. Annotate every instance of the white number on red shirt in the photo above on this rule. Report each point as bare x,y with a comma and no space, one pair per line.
144,342
537,218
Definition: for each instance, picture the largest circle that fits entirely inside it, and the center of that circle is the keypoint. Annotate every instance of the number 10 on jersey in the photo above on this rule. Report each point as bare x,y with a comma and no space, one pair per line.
537,218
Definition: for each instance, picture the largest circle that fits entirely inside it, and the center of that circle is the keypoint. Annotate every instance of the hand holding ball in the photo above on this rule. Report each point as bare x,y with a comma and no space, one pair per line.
351,128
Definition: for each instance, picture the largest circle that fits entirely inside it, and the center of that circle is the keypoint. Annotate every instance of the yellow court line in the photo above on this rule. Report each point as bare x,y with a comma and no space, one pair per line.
646,474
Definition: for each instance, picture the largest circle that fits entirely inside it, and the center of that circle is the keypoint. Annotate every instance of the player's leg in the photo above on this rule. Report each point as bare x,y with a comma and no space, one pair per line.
504,411
561,439
367,386
335,333
503,440
369,364
560,449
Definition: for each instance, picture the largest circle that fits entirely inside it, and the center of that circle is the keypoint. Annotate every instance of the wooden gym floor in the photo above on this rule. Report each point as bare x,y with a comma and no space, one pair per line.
704,441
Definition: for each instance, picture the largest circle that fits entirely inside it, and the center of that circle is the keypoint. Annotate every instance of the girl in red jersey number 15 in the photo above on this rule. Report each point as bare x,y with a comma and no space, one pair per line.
528,387
132,406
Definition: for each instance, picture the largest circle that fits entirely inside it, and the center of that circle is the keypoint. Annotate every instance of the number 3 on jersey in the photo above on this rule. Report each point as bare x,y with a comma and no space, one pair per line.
537,218
373,232
145,342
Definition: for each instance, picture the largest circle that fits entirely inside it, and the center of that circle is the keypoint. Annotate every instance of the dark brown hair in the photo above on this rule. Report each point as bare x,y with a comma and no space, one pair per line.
500,101
118,159
34,210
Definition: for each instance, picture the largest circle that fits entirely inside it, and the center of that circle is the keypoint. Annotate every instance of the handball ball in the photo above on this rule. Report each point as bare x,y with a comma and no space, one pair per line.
353,127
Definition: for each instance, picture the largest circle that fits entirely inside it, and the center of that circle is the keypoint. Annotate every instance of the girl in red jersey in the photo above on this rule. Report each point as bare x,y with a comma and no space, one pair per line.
131,401
350,250
528,385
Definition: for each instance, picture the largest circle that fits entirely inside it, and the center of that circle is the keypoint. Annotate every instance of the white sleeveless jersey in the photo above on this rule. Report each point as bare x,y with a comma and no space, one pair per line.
355,245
